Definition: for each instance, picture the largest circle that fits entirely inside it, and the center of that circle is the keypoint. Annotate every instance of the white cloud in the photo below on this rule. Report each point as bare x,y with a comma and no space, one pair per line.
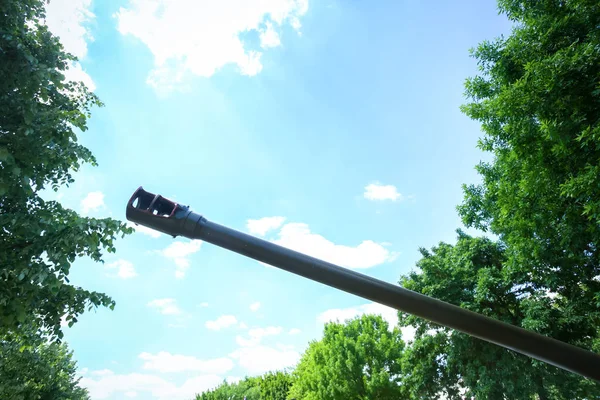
102,372
179,252
294,331
281,346
124,269
224,321
233,379
255,306
144,230
83,371
68,19
201,37
295,22
242,325
203,304
297,236
155,386
387,313
377,191
259,359
167,362
240,340
256,335
131,393
342,314
92,202
261,226
262,332
408,333
269,37
165,306
75,73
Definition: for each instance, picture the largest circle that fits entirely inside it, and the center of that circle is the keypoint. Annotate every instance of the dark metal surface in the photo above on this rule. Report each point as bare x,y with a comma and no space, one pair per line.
181,221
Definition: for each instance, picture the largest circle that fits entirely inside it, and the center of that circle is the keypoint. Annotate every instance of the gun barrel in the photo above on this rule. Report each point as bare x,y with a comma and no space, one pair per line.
178,220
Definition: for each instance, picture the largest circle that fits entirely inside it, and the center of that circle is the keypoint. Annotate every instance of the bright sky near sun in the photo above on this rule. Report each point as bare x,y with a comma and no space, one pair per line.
327,126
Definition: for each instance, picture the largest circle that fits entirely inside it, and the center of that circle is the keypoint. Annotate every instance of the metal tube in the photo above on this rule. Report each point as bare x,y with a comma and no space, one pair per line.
182,221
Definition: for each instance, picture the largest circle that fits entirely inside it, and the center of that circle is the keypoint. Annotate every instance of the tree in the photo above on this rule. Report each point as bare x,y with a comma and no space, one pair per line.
39,240
357,360
32,368
538,100
472,275
275,386
248,388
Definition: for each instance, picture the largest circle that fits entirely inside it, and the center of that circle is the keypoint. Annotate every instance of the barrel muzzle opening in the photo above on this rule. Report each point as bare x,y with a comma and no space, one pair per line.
150,203
156,212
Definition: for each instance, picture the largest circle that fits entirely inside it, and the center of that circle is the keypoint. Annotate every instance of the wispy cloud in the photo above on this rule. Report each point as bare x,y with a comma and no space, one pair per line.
269,37
167,362
180,252
102,372
92,202
233,379
224,321
165,306
261,226
155,386
144,230
259,359
255,306
124,269
257,334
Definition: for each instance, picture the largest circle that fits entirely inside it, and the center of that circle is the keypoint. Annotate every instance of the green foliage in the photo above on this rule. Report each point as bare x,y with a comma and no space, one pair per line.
32,368
357,360
275,386
270,386
471,274
538,100
248,387
39,240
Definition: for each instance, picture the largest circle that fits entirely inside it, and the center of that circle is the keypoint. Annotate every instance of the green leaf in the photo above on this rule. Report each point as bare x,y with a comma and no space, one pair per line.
39,149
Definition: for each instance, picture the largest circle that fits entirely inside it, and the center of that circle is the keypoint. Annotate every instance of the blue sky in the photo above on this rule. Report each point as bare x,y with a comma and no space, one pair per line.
326,126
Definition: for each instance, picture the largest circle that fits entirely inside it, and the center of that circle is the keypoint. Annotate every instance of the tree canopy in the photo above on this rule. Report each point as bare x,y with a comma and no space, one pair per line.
359,359
32,368
41,115
470,274
248,388
538,101
275,386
